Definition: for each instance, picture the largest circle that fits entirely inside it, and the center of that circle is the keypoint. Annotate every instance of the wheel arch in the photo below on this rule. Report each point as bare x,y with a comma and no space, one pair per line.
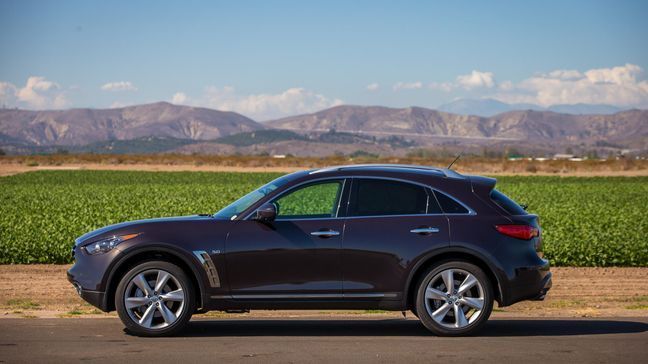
137,255
453,254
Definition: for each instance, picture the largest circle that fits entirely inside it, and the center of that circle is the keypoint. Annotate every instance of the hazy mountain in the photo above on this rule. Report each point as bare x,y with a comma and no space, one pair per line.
163,127
483,107
378,120
86,126
585,109
628,128
491,107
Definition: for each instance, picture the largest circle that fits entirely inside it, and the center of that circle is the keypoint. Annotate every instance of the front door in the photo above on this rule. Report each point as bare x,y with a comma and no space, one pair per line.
297,255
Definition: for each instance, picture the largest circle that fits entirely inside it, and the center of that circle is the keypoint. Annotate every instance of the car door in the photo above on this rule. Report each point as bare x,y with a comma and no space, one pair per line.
295,256
390,223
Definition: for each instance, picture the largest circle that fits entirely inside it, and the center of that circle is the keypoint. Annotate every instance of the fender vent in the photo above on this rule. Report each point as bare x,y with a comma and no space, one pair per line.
210,268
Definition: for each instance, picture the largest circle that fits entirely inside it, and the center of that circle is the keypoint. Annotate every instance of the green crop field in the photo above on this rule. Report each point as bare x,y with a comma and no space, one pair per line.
586,221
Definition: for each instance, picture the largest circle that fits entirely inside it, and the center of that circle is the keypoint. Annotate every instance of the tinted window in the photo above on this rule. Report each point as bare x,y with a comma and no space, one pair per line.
449,205
506,203
375,197
318,200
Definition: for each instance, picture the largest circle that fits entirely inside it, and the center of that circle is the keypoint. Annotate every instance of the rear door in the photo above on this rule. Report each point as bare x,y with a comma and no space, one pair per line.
390,223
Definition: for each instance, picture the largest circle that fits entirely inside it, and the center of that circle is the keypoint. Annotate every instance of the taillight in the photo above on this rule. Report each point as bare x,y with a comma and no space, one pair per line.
524,232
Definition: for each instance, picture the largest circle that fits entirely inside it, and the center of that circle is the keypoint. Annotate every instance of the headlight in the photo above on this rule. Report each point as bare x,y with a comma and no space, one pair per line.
107,244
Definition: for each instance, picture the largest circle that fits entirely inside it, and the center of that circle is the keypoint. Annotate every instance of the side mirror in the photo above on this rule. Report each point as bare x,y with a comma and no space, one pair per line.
266,213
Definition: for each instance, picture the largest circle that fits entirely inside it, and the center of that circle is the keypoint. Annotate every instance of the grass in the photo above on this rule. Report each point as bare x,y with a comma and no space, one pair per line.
637,307
23,303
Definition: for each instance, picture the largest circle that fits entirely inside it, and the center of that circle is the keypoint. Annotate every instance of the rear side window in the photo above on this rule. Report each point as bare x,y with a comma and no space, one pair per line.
506,203
449,205
376,197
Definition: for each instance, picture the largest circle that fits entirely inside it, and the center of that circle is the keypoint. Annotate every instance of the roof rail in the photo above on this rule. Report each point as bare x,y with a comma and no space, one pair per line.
443,171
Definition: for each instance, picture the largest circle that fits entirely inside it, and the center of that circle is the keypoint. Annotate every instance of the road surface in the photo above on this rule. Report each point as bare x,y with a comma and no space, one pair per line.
325,339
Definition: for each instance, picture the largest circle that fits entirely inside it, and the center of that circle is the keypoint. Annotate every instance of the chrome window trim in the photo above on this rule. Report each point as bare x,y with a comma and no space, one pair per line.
470,212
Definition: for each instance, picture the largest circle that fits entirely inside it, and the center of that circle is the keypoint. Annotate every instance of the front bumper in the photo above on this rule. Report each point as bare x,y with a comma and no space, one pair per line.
95,298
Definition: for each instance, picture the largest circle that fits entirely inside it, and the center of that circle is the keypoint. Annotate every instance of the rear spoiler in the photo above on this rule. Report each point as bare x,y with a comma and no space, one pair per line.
482,185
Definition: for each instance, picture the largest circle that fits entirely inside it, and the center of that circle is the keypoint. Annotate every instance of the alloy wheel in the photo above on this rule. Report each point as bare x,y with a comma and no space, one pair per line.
454,298
154,299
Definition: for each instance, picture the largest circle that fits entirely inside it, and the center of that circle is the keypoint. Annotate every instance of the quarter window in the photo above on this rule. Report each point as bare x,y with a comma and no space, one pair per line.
449,205
376,197
317,200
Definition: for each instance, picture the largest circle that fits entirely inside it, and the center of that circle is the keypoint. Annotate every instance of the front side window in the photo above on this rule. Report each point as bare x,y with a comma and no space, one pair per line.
376,197
231,211
316,200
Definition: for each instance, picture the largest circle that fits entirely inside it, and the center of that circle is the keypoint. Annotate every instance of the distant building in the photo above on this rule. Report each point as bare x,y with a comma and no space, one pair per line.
279,156
563,156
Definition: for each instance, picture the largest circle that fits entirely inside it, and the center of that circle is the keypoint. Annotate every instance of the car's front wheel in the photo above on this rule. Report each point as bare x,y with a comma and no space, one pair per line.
454,298
155,298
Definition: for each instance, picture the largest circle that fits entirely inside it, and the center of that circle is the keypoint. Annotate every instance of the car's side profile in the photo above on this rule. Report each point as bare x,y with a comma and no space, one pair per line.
390,237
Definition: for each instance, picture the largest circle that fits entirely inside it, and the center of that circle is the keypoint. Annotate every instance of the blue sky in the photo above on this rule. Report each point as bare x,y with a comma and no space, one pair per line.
272,58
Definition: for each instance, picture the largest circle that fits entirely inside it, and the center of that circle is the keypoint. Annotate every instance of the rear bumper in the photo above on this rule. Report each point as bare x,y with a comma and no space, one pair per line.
95,298
546,286
530,283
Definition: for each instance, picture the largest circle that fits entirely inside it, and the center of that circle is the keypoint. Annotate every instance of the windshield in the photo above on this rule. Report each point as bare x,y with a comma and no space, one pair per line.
235,208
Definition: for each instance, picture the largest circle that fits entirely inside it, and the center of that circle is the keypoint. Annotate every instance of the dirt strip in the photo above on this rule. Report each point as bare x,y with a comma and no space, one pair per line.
8,169
43,291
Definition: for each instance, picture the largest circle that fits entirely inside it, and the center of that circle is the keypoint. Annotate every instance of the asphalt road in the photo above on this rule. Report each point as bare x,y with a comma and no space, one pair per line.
327,339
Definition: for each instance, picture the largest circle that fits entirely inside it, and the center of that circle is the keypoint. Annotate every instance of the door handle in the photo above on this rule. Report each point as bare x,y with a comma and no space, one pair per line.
325,233
424,230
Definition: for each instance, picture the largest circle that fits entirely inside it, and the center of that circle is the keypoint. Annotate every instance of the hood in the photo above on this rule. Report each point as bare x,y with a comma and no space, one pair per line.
121,227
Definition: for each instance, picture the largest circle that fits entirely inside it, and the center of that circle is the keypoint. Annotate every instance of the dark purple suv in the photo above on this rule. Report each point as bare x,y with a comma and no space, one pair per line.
390,237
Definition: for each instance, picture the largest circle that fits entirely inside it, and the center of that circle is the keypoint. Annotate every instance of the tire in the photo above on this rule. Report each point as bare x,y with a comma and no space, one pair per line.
442,311
153,313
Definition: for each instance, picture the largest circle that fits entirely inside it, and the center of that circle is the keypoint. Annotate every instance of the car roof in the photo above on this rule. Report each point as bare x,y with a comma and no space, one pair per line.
401,168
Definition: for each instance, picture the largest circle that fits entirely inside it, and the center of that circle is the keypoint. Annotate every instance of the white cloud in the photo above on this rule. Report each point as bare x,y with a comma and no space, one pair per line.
179,98
621,86
292,101
7,94
564,74
443,86
476,79
119,86
373,86
621,75
38,93
407,85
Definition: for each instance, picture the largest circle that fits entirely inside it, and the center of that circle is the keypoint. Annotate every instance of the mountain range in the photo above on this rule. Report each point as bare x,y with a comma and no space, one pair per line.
346,129
491,107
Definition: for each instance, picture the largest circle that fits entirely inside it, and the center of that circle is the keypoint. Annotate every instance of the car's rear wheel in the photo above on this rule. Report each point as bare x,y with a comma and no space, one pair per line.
454,299
155,298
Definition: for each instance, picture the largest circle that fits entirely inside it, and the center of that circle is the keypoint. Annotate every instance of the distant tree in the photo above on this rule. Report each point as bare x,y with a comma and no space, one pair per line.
513,153
592,154
362,154
2,152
